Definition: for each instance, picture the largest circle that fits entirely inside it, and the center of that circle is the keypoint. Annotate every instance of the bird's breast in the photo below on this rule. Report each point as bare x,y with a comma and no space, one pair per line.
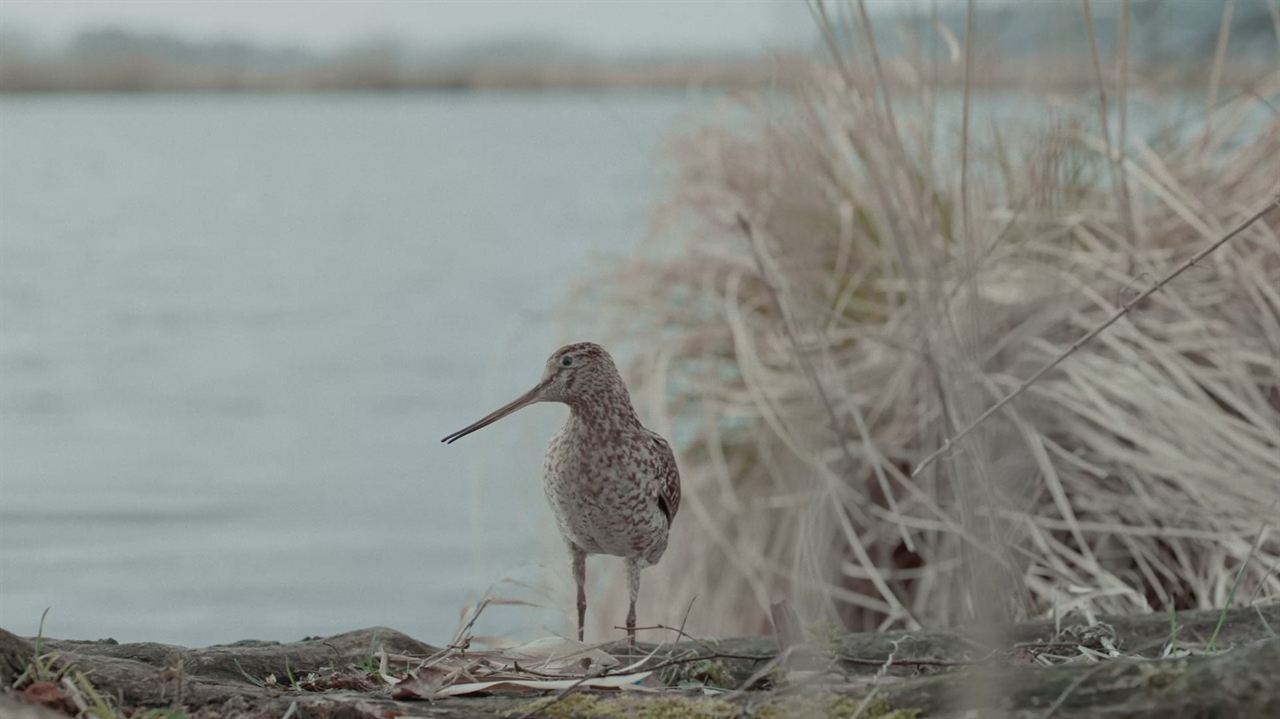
602,498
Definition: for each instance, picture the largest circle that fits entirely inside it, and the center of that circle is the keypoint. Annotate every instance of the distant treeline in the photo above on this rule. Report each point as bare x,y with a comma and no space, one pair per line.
1041,43
117,60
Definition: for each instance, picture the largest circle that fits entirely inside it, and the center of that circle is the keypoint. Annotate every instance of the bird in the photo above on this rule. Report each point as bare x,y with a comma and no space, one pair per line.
612,484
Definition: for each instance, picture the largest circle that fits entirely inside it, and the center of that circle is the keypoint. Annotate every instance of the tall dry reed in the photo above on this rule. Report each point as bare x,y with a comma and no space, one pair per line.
844,277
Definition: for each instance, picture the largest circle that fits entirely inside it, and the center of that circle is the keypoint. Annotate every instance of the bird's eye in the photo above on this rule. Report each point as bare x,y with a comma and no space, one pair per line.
566,361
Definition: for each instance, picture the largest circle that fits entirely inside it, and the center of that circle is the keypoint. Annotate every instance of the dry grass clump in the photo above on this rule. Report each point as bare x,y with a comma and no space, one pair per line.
851,278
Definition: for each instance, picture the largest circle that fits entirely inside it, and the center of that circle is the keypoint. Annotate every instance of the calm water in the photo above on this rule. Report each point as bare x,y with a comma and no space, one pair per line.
233,329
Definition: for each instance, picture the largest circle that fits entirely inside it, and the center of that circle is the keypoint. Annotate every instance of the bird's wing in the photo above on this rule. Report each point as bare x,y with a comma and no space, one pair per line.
667,486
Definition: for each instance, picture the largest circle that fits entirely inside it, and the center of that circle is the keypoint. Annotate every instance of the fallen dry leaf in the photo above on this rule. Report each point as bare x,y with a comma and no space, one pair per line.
423,683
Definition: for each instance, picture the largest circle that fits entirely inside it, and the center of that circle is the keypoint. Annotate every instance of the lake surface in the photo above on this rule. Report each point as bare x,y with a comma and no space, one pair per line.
234,328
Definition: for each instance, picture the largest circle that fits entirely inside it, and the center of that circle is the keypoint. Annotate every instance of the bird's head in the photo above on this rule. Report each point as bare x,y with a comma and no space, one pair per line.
572,374
575,371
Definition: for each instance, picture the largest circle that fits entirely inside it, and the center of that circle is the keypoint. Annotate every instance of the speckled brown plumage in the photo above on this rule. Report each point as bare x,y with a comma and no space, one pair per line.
612,484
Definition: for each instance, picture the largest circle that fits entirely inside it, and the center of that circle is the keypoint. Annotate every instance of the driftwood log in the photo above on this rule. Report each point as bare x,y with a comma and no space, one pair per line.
938,673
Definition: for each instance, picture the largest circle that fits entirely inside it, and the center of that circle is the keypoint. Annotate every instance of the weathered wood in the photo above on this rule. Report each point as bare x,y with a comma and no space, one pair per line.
1237,683
942,673
15,652
148,673
865,653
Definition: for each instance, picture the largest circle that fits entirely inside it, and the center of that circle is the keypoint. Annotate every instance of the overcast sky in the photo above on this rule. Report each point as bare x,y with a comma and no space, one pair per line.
605,26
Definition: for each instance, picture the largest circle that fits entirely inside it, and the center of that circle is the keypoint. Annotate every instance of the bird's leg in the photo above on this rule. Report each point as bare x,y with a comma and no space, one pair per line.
633,585
580,578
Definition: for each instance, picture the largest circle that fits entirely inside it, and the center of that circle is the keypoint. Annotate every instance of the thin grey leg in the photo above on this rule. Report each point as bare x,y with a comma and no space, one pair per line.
633,585
580,578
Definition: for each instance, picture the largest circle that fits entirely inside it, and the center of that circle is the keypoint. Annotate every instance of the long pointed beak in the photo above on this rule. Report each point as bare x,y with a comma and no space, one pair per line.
523,400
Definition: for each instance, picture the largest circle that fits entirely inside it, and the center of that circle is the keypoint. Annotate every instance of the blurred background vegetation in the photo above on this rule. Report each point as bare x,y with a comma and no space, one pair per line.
1170,41
841,280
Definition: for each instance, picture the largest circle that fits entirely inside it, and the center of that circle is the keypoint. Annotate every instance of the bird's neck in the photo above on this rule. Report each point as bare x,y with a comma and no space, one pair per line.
605,411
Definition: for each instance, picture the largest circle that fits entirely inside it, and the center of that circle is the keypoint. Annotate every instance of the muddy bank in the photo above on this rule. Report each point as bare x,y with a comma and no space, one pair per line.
1119,666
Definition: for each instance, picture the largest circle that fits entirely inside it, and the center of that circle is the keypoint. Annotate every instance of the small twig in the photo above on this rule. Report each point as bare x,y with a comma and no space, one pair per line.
1115,316
689,659
687,610
462,639
516,668
701,644
559,697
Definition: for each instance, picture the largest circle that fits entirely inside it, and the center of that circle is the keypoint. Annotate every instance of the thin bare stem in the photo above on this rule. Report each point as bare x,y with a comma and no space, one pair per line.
1122,140
964,121
818,8
1215,77
1115,153
864,21
1097,73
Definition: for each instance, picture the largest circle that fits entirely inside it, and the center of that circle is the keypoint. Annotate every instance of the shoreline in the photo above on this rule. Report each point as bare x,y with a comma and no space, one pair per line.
747,74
